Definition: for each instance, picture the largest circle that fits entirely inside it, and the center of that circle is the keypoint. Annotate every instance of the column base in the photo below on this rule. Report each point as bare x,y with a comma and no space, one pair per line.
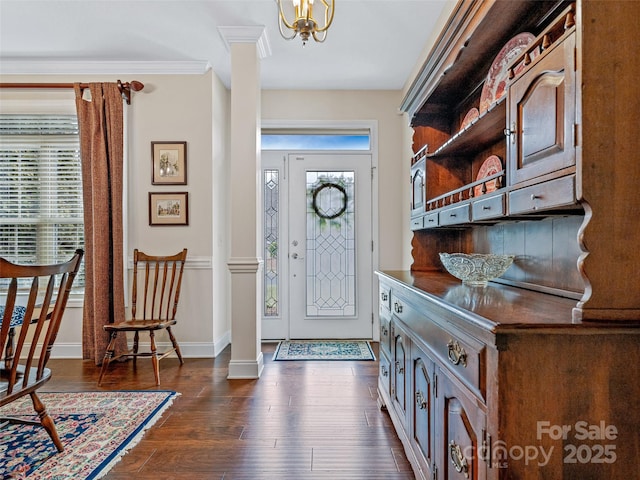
246,369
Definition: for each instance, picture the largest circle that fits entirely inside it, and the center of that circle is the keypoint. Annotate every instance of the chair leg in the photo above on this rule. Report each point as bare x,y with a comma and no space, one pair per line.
46,421
8,355
108,355
136,341
154,357
176,347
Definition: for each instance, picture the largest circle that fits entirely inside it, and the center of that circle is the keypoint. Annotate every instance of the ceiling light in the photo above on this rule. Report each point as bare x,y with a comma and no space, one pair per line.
304,23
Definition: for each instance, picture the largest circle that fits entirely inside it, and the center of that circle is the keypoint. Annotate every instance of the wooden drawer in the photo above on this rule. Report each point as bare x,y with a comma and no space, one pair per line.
385,334
490,207
430,220
462,354
417,223
455,215
385,297
557,193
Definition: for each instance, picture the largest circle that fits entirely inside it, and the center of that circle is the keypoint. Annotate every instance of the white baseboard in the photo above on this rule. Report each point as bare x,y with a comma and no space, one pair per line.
188,349
246,369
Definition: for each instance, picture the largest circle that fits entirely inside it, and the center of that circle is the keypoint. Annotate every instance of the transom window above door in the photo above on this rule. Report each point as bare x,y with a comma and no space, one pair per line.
312,140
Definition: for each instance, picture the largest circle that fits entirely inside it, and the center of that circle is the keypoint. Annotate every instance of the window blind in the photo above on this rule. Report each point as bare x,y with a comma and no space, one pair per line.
41,217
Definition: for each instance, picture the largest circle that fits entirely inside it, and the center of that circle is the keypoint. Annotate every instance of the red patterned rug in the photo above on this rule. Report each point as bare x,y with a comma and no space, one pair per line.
96,430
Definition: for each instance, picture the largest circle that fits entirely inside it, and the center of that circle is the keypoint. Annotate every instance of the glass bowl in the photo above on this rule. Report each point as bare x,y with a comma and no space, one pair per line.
476,269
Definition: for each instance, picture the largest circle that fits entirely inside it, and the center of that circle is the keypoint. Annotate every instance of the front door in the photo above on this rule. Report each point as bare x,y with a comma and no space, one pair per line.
324,290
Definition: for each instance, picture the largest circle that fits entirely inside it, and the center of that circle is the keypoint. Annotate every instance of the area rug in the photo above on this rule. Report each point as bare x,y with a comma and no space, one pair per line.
96,430
324,350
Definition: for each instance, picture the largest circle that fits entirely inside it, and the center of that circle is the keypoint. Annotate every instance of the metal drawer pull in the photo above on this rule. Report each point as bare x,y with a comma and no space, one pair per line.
384,296
457,355
399,368
384,370
457,459
397,307
385,331
421,402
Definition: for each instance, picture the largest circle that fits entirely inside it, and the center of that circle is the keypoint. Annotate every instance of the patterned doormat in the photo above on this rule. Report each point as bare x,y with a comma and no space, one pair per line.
96,429
324,350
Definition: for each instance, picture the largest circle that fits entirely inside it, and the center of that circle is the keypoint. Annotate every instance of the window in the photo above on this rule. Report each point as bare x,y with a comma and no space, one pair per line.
306,140
41,219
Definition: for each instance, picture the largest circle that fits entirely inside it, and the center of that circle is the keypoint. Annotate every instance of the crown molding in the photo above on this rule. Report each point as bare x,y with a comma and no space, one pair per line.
96,67
247,34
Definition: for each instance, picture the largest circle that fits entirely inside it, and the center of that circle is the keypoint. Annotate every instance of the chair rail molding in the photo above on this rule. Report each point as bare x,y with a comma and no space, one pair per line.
244,264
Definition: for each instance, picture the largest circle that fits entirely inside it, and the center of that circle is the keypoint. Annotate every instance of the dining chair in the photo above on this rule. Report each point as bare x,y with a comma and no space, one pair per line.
35,298
154,303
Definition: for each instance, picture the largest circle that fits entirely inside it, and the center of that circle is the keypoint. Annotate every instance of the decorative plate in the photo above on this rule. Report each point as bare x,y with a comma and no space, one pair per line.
469,118
490,166
495,85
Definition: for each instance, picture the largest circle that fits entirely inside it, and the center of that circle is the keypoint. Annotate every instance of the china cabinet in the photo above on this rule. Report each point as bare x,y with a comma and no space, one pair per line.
530,376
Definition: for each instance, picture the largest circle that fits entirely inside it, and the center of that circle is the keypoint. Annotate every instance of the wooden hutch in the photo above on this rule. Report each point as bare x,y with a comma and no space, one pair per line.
536,375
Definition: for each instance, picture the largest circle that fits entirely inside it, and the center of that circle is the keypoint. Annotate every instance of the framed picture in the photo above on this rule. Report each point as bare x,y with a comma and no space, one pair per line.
168,163
168,208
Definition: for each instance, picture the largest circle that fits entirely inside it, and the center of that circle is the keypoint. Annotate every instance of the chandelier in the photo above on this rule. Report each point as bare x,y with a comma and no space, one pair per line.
304,23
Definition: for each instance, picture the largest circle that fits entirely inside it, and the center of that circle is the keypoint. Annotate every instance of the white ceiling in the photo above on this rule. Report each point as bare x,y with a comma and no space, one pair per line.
372,44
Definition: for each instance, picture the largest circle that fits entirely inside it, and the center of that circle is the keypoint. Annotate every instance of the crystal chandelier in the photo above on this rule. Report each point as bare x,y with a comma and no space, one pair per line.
304,23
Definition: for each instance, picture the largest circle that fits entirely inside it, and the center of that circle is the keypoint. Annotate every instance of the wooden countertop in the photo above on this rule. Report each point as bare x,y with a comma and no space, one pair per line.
496,307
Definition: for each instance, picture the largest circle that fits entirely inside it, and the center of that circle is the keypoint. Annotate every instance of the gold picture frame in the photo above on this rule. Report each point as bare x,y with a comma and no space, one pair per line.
168,208
168,163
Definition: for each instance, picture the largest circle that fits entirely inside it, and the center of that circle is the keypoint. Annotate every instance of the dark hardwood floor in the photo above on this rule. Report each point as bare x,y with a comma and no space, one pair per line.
301,420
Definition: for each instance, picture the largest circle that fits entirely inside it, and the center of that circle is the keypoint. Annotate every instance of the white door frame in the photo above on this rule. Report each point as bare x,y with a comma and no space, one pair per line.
372,127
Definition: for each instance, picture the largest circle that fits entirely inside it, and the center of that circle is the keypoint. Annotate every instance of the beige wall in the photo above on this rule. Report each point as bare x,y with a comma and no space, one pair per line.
196,109
191,108
393,172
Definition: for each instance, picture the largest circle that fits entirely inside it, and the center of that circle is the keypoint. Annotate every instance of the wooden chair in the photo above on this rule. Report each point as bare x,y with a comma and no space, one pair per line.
160,292
24,369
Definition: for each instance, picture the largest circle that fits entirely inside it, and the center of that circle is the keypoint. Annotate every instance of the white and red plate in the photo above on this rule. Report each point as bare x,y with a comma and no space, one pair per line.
471,116
495,85
490,166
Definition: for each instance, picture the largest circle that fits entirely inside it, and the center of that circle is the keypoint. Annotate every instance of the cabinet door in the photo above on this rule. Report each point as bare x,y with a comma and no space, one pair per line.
418,188
422,437
399,368
462,432
541,115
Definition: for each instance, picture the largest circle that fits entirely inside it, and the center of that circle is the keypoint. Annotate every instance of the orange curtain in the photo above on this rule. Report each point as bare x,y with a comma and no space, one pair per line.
100,121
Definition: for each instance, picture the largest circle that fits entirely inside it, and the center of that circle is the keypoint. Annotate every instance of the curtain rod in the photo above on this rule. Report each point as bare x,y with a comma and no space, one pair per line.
125,88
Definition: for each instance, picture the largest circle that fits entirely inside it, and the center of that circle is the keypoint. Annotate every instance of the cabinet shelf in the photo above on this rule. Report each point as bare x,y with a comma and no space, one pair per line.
485,131
466,192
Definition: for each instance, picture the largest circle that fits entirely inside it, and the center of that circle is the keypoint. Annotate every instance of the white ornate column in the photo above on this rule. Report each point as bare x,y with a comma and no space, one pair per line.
247,45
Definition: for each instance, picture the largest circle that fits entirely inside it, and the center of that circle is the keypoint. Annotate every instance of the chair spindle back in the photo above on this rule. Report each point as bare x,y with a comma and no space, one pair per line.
38,319
160,287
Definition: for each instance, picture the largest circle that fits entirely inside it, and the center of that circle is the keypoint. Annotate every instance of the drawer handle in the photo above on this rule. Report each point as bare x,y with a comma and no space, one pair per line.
457,459
384,296
399,368
397,307
457,355
535,197
486,207
384,370
385,331
421,402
